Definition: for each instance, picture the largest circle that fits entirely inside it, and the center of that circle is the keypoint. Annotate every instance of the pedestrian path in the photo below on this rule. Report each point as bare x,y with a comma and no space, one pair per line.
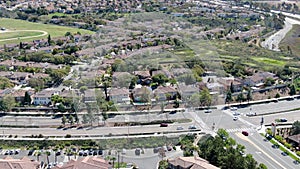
235,130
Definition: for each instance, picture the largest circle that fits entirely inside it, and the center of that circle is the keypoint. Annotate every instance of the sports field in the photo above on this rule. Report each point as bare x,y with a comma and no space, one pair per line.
32,30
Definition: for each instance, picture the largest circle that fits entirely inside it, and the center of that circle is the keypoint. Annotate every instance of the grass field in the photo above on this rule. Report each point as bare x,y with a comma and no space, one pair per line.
8,35
53,30
270,61
292,39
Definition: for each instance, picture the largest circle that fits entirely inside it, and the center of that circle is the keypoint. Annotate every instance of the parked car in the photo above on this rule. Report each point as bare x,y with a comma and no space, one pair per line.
233,108
100,152
276,146
164,125
179,128
138,151
245,133
283,120
208,111
297,162
192,127
235,118
30,153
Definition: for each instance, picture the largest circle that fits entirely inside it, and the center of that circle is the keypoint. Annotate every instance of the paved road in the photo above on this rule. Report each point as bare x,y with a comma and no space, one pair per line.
263,151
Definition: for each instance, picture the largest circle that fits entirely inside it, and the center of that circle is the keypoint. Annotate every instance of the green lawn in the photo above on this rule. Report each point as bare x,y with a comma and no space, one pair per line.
8,35
53,30
269,61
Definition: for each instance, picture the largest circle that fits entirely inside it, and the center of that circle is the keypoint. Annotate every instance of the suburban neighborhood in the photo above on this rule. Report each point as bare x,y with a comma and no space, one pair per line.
149,84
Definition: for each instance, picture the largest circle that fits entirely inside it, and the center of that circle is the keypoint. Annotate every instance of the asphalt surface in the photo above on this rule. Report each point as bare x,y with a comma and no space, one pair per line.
263,152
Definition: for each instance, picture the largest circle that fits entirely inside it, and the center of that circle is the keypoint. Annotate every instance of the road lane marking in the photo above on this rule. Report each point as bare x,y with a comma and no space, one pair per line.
241,136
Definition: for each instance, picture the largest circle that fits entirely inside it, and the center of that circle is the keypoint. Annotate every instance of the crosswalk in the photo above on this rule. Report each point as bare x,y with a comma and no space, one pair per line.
235,130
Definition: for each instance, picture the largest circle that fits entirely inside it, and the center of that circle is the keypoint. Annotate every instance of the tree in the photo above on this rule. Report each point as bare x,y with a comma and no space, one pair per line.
61,108
104,116
7,103
5,83
71,119
160,79
231,87
76,120
63,120
240,97
296,128
205,97
27,98
292,89
36,83
249,95
49,39
228,98
262,166
47,155
57,99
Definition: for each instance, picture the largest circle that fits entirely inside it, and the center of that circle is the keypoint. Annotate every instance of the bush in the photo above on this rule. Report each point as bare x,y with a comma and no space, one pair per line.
68,136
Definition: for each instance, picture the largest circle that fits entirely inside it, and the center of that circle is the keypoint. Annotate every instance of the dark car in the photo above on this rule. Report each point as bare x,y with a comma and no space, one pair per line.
58,153
30,153
284,153
283,120
275,146
297,162
164,125
245,133
100,152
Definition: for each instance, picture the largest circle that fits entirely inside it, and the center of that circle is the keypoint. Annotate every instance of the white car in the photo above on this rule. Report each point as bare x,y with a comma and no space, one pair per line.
235,118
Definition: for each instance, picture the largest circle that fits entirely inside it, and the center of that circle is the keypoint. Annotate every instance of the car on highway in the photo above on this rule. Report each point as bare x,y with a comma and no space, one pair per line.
284,153
235,118
245,133
276,146
163,124
179,128
297,162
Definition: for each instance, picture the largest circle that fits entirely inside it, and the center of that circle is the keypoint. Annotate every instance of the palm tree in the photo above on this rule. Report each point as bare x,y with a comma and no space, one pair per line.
47,154
38,154
113,159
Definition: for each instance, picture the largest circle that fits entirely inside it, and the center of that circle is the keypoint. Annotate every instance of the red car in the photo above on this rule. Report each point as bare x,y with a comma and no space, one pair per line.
245,133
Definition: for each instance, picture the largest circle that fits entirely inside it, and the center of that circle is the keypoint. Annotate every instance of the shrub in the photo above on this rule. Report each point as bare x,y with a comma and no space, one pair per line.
68,136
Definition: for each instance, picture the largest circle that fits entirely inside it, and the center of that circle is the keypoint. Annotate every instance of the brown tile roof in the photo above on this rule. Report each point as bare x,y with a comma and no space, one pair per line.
24,163
120,91
164,89
191,163
86,163
295,138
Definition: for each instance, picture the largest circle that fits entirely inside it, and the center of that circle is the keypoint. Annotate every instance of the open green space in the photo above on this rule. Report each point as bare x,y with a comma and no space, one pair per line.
53,30
269,61
19,34
291,42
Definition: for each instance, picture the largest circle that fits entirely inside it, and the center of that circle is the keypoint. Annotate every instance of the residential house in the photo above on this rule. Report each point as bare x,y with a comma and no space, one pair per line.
186,91
89,96
119,95
228,81
163,93
164,72
144,77
258,78
294,140
190,163
89,162
23,163
180,71
44,97
142,94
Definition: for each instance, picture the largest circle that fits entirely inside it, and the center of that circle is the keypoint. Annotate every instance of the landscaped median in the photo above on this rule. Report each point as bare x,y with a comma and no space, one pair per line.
282,147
